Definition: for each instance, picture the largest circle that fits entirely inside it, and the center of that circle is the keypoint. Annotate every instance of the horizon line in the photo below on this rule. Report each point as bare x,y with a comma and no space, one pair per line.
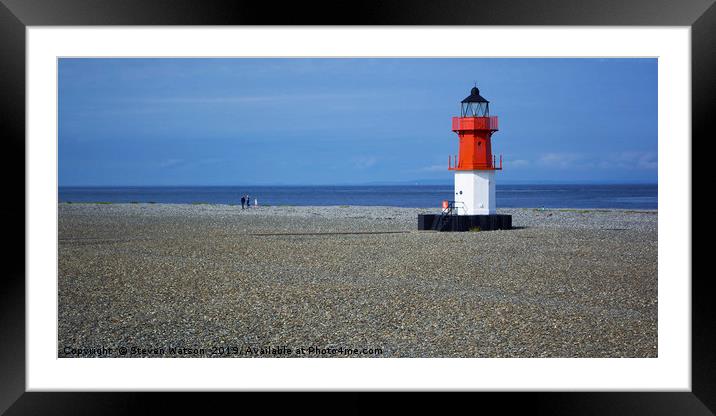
417,183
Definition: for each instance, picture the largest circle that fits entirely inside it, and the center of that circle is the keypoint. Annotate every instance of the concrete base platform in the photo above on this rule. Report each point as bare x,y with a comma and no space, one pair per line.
464,222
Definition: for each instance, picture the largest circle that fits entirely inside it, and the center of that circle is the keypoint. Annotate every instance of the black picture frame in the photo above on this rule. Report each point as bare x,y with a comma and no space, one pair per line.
16,15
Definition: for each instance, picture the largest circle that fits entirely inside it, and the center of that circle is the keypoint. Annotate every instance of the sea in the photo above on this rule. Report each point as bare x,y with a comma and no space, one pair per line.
417,196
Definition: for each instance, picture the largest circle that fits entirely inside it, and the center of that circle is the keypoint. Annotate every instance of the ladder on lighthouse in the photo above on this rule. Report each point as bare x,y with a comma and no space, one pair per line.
449,210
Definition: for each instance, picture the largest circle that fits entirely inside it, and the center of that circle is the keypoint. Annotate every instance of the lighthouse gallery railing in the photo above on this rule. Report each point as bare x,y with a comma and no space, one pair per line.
453,163
475,123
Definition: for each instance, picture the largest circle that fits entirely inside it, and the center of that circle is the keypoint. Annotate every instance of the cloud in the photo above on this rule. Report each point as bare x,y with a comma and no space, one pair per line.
434,168
170,163
518,163
629,160
636,160
563,160
364,162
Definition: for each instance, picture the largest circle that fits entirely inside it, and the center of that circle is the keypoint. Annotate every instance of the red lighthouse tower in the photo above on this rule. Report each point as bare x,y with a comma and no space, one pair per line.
475,128
474,166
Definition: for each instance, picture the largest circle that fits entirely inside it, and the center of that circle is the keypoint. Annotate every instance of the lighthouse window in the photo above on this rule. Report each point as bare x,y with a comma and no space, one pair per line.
475,109
475,105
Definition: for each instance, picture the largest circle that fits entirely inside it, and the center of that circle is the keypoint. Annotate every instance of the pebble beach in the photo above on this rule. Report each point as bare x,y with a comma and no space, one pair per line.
180,280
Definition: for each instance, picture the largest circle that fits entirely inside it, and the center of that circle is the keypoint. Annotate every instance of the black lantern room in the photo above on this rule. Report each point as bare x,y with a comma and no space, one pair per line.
475,105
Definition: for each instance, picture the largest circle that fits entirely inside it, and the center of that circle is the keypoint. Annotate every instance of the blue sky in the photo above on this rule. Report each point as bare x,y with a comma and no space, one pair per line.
350,121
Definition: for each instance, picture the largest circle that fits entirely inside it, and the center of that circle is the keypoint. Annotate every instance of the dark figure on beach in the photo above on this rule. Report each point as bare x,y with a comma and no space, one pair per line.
243,202
248,201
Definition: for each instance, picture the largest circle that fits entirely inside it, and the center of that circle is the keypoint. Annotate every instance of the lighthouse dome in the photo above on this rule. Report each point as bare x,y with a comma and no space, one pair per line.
474,97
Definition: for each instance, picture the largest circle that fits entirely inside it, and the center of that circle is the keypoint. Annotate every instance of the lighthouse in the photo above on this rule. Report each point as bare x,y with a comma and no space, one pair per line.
475,164
473,206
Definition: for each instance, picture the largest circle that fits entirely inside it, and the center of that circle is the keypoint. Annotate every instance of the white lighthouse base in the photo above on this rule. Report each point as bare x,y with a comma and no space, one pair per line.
475,192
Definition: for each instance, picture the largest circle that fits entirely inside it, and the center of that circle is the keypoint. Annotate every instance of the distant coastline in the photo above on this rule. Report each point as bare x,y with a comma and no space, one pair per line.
570,196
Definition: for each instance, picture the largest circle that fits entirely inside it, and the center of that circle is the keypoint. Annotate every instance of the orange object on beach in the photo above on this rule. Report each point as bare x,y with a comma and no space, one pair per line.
446,204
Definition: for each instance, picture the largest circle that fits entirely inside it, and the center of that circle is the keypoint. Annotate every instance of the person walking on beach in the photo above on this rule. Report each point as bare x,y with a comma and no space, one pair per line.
248,201
243,201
